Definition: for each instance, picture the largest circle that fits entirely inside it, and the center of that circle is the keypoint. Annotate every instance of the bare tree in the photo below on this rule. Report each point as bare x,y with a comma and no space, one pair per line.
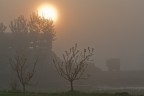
2,28
24,72
74,63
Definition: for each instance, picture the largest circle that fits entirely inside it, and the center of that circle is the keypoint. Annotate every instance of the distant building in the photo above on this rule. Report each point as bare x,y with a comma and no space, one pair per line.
113,64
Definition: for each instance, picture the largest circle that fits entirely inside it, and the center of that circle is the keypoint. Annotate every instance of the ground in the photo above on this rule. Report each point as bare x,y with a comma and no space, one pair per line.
64,94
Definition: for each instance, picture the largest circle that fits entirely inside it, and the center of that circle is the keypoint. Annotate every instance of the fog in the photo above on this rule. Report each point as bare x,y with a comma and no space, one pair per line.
113,27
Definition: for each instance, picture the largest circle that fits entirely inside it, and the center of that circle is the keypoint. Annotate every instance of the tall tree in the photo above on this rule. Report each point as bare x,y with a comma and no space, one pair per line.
35,33
74,64
2,28
19,36
19,25
44,28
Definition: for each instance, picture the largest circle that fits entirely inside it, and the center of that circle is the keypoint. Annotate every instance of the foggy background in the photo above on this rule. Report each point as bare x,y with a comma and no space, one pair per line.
113,27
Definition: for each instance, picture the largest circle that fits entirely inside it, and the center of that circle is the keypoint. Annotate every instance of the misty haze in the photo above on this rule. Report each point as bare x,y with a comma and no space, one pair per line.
75,47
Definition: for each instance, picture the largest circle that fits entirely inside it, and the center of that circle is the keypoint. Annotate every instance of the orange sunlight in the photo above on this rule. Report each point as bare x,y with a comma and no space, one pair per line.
48,12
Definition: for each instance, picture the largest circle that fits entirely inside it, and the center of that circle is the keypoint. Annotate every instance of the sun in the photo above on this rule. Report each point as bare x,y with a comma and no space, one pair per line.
48,12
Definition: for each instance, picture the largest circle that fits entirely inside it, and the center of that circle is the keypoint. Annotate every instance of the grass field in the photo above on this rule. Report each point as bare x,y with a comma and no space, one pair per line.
63,94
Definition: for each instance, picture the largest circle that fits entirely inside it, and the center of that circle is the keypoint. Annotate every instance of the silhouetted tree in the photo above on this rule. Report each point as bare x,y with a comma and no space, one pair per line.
35,33
40,24
44,28
19,35
2,28
3,39
74,64
24,72
19,25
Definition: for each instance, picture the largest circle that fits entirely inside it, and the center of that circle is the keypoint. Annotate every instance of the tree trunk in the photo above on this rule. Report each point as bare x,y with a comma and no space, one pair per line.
24,89
71,86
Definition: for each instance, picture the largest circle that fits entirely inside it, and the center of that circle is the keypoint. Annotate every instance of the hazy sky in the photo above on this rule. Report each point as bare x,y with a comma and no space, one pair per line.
115,28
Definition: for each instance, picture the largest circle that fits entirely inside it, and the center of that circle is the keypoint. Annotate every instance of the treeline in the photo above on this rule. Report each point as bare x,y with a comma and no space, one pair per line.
33,34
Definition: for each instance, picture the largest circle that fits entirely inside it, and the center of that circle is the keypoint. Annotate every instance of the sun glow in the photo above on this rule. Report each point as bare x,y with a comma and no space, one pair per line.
48,12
